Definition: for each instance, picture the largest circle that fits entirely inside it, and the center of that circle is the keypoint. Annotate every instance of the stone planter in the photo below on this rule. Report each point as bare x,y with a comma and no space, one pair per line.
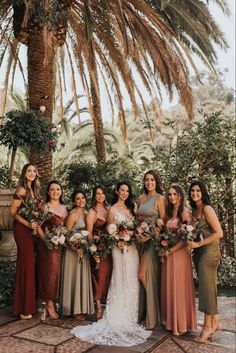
8,249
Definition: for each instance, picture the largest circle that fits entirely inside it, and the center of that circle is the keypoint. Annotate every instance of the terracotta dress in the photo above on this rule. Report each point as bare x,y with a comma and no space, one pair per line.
49,263
206,260
101,277
24,300
177,289
76,283
149,303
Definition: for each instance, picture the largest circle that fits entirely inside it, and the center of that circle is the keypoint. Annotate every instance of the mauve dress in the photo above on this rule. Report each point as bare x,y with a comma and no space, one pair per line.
49,263
149,302
177,289
24,300
101,277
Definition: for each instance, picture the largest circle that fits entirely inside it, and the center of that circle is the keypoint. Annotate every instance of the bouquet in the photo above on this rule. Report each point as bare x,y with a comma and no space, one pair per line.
165,241
34,211
55,237
144,229
189,233
99,247
78,240
124,232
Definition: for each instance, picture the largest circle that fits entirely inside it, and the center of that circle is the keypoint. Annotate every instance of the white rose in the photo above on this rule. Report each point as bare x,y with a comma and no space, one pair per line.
127,238
62,239
117,237
189,228
144,225
84,233
55,240
112,228
93,248
74,237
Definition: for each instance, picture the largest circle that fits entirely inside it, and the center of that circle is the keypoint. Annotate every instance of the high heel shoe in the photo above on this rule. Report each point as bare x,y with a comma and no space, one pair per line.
44,314
25,317
52,313
99,313
205,335
216,327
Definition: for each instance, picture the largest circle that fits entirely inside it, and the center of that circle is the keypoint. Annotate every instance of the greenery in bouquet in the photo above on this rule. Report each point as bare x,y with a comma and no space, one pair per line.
78,239
100,246
34,211
55,237
123,233
165,241
144,230
190,233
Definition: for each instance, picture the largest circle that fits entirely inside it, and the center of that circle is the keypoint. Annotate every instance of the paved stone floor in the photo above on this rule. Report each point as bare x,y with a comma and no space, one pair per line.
53,336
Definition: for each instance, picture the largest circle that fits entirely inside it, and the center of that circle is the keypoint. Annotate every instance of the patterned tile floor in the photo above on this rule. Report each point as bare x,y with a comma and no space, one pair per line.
53,336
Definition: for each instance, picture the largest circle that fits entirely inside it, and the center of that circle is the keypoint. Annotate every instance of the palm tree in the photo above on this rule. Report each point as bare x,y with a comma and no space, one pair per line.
107,39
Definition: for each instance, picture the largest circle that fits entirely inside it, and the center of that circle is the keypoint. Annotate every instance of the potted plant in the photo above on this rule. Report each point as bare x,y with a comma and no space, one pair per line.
26,129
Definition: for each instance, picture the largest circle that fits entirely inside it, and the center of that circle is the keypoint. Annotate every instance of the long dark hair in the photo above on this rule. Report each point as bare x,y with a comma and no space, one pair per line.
94,202
157,180
205,196
169,205
129,201
74,193
35,183
48,187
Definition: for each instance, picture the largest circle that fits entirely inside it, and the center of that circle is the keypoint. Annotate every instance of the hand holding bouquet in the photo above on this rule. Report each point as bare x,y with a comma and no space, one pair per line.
165,241
123,234
144,231
55,237
99,247
79,240
189,234
34,212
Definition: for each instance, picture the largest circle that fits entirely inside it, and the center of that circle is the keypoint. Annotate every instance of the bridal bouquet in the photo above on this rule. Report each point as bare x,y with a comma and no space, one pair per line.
189,233
122,233
99,247
34,211
78,240
165,241
55,237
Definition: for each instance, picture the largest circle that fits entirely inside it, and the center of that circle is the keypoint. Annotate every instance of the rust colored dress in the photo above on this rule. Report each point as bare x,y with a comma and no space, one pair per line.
49,263
101,277
177,289
24,300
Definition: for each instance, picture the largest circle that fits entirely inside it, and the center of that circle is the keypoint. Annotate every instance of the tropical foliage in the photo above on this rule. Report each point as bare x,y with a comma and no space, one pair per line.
108,41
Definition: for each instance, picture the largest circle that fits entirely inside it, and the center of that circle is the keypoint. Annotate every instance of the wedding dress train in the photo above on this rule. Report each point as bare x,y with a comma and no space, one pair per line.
119,327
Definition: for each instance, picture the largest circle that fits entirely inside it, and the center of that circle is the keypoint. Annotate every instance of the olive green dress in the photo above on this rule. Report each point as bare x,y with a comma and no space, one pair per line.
149,302
206,260
76,283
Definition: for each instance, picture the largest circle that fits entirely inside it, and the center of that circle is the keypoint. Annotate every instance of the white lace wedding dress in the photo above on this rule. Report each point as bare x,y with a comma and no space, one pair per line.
119,327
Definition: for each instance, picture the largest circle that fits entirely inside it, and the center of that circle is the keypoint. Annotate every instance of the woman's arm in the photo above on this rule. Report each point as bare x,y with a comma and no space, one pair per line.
70,221
90,220
110,215
213,221
16,203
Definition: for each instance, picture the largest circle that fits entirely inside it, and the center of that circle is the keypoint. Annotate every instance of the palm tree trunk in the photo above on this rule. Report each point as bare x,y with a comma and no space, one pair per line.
40,86
98,124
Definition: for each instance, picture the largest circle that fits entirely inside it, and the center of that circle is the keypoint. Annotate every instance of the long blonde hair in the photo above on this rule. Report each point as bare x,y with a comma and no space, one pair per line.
35,184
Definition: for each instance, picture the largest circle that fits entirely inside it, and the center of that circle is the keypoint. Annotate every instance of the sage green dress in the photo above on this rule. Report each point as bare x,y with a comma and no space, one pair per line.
206,260
149,302
76,284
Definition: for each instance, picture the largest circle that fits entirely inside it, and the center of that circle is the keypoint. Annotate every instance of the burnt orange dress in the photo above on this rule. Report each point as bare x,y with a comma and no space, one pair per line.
49,263
24,300
101,277
177,289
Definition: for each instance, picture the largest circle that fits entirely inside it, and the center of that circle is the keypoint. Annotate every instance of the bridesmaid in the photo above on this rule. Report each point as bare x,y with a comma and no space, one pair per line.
151,206
206,256
96,222
24,301
76,288
49,261
177,288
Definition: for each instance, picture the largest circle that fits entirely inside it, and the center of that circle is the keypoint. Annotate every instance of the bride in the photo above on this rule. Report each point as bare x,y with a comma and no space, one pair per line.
119,327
